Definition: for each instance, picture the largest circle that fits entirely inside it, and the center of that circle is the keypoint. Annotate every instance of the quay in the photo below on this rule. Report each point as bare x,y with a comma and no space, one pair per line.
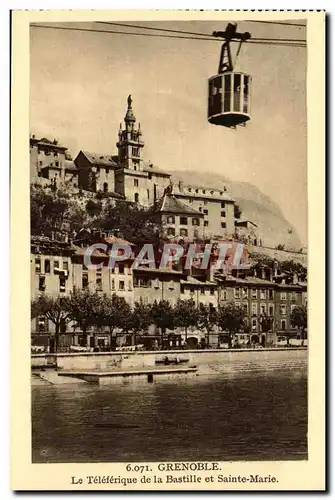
150,366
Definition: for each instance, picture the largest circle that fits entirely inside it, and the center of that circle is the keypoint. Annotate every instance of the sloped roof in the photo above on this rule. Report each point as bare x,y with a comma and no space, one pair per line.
171,205
100,159
70,166
149,167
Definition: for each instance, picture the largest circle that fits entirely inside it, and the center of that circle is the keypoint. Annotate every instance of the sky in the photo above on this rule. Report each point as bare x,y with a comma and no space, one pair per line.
79,83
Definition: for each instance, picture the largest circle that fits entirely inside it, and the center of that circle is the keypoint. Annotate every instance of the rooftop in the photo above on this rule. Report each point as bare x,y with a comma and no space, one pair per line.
149,167
105,160
171,205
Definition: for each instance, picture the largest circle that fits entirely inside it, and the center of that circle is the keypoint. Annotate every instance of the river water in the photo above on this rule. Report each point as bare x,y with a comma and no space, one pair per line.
259,417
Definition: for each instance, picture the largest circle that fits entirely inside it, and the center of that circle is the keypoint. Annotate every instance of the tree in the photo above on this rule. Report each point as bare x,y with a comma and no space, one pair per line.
111,312
299,319
84,308
231,318
162,314
186,315
93,208
136,224
237,211
207,319
54,309
138,320
266,322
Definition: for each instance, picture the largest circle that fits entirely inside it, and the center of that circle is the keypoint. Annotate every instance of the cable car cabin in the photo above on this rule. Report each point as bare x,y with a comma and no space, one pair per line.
229,99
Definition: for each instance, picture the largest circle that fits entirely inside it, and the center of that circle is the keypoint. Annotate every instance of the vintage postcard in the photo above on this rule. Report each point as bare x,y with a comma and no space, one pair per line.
168,250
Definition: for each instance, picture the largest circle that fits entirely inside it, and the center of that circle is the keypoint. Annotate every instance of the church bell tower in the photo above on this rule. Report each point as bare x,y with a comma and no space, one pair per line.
130,142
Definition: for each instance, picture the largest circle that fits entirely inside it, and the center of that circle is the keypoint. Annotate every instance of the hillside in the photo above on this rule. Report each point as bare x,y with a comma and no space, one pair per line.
273,228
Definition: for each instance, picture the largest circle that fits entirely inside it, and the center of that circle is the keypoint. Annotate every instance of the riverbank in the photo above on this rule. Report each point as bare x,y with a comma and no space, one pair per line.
158,365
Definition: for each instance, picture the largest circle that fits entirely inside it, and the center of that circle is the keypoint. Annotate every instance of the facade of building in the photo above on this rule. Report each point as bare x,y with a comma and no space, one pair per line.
57,268
49,160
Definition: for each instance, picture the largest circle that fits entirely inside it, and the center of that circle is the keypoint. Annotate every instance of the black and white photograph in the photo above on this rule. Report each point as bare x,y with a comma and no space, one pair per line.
169,249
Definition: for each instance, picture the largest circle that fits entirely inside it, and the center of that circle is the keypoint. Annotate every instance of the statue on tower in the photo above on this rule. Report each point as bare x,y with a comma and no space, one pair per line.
129,101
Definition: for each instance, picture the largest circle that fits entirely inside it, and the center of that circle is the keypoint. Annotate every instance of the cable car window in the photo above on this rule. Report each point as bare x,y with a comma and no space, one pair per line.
216,102
227,88
245,94
237,92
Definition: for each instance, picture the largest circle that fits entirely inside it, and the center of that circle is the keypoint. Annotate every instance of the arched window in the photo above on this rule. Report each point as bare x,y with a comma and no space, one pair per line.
136,197
105,187
171,219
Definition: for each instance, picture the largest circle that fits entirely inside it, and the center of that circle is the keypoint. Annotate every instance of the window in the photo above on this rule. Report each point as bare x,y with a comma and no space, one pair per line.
244,293
42,324
47,266
62,283
136,182
205,202
189,190
171,285
190,200
245,307
283,309
113,284
254,308
142,282
195,222
171,231
293,297
120,268
271,294
183,221
37,265
236,293
170,219
197,190
200,208
182,289
65,265
262,293
263,308
205,211
155,283
105,187
183,232
224,295
107,171
98,281
254,324
202,290
84,280
223,205
254,293
282,295
283,324
204,191
223,213
212,291
57,163
206,223
223,225
41,283
121,285
148,194
271,310
293,306
56,265
136,197
55,153
130,287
